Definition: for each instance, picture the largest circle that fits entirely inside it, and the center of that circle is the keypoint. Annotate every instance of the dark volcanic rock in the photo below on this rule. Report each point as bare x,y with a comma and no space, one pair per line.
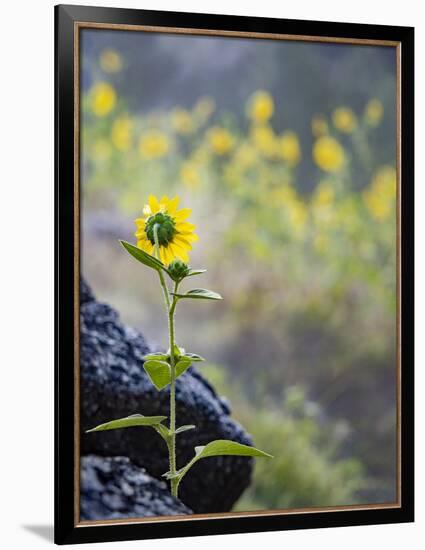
114,384
113,487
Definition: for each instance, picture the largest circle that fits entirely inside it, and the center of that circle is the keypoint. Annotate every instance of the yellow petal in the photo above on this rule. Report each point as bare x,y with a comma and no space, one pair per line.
171,253
163,203
185,227
166,255
140,222
179,252
149,248
142,244
182,242
153,203
162,254
173,205
182,214
192,237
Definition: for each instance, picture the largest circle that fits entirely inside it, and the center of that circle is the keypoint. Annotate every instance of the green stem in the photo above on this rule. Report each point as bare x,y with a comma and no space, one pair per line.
170,307
160,273
173,466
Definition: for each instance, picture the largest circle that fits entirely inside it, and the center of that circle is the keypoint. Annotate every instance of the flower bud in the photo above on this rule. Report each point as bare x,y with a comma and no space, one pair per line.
178,270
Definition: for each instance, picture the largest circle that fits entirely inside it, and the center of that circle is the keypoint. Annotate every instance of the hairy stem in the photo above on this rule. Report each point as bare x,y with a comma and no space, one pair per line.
173,468
170,307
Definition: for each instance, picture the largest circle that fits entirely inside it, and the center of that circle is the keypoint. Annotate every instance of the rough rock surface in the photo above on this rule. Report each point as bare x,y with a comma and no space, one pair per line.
114,384
113,487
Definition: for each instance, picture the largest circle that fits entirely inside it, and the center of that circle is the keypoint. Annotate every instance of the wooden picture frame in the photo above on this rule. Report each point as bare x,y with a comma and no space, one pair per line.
69,21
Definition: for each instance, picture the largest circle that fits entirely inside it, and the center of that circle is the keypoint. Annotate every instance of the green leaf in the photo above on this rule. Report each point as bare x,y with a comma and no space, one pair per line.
200,294
185,428
182,366
168,475
222,447
163,431
156,356
194,357
158,372
129,422
143,256
195,272
178,352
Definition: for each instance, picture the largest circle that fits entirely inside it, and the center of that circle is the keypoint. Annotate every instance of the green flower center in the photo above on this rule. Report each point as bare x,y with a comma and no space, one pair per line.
166,228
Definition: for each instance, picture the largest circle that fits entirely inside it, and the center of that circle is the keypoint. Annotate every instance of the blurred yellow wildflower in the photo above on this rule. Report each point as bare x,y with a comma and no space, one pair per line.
344,120
264,140
121,133
110,61
103,99
328,154
174,233
386,179
189,174
319,125
374,111
182,121
154,144
204,108
288,147
379,197
260,106
221,140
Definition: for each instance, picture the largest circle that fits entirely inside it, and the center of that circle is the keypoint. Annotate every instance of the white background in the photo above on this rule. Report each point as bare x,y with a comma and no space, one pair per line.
26,274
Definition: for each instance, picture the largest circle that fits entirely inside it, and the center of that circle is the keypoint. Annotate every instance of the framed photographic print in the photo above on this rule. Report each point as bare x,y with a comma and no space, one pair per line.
234,274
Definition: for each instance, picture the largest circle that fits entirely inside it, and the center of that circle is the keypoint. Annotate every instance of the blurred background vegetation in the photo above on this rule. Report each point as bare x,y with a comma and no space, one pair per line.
286,153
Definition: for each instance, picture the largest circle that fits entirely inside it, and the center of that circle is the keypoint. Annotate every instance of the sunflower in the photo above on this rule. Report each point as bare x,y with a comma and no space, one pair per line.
328,154
175,235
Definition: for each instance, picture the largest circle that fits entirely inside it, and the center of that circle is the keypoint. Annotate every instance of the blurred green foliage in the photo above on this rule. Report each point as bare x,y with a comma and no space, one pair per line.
306,469
305,221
